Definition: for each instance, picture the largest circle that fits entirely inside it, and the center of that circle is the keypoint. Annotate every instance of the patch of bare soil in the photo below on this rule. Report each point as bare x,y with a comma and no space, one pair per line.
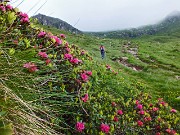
124,61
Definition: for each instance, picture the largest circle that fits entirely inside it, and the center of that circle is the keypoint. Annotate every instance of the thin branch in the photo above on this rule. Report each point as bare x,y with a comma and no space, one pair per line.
34,6
40,7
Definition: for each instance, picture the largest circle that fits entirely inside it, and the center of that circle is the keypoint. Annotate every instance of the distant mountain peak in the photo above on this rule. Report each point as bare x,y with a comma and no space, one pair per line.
56,22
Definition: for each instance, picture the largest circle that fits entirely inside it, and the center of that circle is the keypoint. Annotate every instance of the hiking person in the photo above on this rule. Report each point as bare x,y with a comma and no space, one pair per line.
102,49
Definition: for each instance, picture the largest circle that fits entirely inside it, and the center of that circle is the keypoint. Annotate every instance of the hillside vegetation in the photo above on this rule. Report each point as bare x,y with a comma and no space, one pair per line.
51,86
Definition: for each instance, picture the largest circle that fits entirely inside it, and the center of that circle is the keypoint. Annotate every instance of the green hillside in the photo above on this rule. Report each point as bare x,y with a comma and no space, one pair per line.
53,83
157,57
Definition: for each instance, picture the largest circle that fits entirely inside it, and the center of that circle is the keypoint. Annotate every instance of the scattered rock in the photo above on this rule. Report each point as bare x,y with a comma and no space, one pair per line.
177,77
124,61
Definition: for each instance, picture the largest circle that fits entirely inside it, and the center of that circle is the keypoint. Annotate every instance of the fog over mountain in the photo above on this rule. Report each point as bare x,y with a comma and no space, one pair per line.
102,15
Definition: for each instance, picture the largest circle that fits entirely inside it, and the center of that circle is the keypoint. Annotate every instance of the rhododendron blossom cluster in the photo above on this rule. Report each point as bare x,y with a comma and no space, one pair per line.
56,40
62,36
41,34
108,66
2,8
80,126
173,110
105,128
85,75
24,18
72,60
43,55
85,98
30,66
9,7
120,112
140,123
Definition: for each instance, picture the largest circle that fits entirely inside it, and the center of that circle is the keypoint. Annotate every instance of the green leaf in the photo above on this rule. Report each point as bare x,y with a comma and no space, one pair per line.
11,51
6,130
11,17
27,42
2,113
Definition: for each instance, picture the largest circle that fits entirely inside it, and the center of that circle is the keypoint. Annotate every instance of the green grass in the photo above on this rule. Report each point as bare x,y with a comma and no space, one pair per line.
158,55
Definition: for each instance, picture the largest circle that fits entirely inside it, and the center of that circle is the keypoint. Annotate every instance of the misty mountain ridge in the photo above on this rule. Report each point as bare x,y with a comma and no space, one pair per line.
56,22
169,24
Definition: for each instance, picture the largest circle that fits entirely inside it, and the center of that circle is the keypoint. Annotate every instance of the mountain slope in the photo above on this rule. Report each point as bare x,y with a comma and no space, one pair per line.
49,86
169,24
57,23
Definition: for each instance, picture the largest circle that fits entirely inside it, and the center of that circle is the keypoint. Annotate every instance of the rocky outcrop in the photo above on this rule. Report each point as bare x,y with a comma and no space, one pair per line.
57,23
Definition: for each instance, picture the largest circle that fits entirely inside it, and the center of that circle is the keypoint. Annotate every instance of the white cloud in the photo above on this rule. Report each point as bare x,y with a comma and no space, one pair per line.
100,15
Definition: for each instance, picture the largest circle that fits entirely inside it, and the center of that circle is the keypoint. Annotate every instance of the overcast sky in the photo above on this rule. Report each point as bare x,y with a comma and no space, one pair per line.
102,15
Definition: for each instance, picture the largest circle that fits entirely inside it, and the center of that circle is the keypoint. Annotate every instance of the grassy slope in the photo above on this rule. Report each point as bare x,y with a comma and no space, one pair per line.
160,76
44,101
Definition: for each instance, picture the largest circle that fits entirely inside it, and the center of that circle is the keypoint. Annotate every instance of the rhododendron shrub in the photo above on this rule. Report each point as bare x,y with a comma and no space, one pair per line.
82,96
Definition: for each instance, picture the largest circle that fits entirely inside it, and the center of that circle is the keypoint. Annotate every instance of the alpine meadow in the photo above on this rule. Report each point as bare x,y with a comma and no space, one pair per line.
53,80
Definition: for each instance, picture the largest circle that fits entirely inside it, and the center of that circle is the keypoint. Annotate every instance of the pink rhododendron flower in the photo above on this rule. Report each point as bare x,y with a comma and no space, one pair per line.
48,61
163,103
58,41
68,56
147,119
75,61
168,130
89,73
43,55
160,99
108,66
82,52
141,112
9,7
139,106
80,126
137,102
67,44
27,65
158,133
158,127
115,119
62,36
41,34
105,128
140,123
150,105
2,8
40,46
85,98
120,112
114,104
24,20
24,17
68,49
155,109
173,110
84,77
30,66
173,132
15,42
